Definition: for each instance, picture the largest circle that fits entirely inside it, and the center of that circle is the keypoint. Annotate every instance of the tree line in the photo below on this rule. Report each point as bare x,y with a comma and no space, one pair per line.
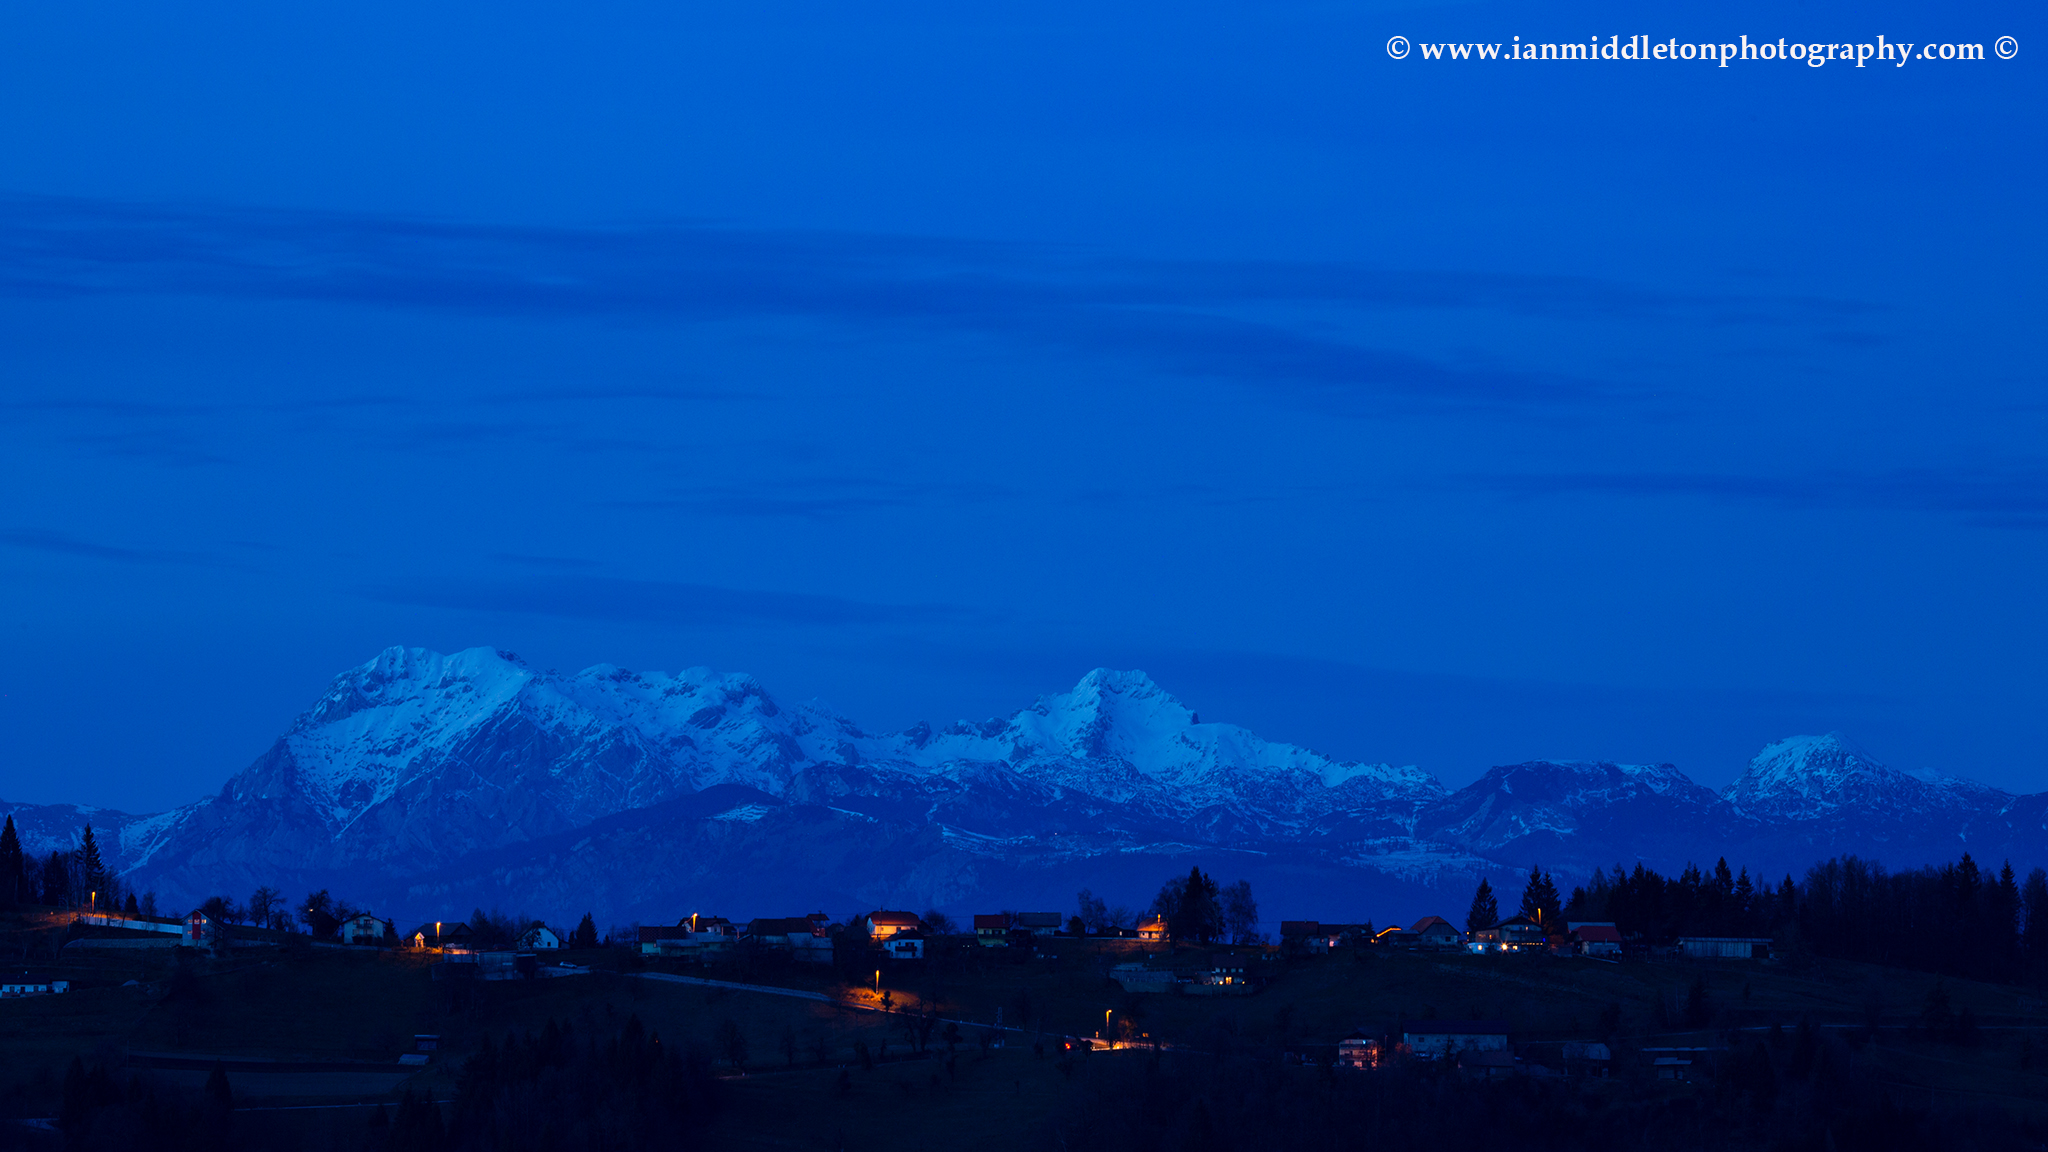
1957,919
64,879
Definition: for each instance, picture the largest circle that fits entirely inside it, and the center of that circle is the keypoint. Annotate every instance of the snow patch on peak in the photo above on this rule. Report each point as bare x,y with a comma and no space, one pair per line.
1806,777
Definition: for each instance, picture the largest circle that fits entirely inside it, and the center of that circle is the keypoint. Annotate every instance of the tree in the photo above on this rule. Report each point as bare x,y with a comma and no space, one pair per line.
1485,910
1190,906
90,868
264,905
10,864
2034,915
937,923
1240,913
56,880
732,1044
1539,898
218,1092
317,913
585,935
1094,911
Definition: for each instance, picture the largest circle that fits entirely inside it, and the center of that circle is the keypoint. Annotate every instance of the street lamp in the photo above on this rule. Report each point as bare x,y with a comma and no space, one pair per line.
878,981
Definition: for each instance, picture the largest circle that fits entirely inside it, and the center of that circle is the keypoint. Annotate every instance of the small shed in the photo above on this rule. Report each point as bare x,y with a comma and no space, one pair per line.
1595,938
1726,947
1443,1039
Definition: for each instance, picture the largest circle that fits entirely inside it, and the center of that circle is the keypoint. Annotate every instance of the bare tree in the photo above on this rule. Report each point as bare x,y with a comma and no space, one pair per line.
264,905
1240,913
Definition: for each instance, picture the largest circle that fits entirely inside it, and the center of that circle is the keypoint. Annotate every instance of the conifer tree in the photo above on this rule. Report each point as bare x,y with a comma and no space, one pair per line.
90,869
56,880
1539,897
1485,912
585,935
10,864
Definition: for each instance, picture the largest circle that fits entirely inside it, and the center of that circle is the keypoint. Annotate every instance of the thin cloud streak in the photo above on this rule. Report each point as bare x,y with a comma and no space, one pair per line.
1989,499
1181,317
657,602
63,544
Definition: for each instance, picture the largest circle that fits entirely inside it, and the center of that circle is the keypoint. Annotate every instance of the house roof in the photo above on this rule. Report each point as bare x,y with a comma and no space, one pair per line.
996,920
1518,922
447,930
1456,1028
902,919
781,926
1433,924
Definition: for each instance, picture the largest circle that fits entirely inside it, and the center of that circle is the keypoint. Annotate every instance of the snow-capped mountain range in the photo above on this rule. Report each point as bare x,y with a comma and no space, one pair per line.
427,784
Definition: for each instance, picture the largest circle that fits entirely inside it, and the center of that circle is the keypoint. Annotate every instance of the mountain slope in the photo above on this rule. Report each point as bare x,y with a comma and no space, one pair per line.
431,783
416,760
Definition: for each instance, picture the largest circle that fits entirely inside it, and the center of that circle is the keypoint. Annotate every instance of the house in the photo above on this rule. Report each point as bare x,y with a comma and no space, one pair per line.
1485,1063
1395,937
540,938
1143,978
652,937
1226,976
693,935
363,928
803,937
28,985
200,930
1311,935
1586,1059
1595,938
1037,923
1518,934
1358,1050
1434,933
1443,1039
1726,947
441,934
1152,929
992,930
903,948
882,925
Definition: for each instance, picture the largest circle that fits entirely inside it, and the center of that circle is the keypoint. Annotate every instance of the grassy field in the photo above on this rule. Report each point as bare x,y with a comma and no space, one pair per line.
361,1008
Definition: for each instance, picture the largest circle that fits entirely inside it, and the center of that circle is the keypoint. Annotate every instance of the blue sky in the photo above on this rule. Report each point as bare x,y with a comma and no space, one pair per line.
922,360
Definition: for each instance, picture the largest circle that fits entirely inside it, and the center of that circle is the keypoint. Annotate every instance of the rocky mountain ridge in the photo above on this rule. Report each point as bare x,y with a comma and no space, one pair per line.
429,781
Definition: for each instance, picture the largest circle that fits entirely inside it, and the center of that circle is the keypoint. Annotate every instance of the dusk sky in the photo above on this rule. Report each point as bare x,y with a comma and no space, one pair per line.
921,358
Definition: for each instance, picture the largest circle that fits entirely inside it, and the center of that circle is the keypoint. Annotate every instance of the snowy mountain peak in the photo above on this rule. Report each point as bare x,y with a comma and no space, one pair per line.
1121,715
1802,777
